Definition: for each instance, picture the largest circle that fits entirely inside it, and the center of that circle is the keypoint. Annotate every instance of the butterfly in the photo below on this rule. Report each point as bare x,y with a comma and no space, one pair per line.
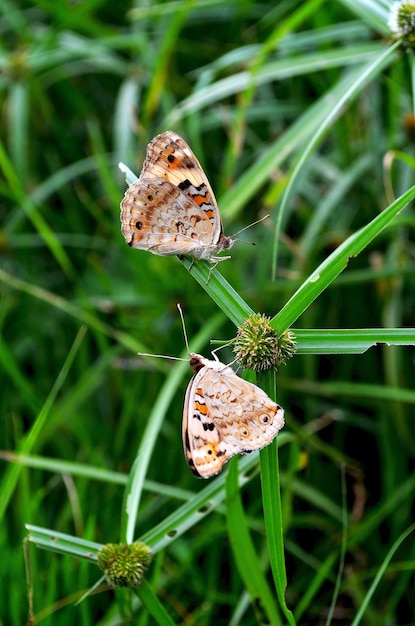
224,415
171,209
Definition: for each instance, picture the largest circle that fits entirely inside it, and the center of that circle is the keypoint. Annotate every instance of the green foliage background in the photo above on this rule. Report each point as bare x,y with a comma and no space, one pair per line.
254,89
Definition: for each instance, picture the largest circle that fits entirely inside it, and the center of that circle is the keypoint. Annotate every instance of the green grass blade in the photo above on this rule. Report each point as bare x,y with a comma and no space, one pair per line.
271,502
349,340
244,553
221,292
372,69
327,271
77,312
321,576
63,543
153,605
271,71
138,472
162,60
366,601
271,158
11,475
201,504
352,390
343,549
72,468
33,213
372,12
19,129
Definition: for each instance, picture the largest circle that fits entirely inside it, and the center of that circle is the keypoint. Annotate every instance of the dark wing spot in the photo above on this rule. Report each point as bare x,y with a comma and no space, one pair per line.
171,158
185,184
150,197
265,418
139,225
209,426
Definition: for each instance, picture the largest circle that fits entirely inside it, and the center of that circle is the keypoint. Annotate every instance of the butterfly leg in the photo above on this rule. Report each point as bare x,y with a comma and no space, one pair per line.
215,260
212,267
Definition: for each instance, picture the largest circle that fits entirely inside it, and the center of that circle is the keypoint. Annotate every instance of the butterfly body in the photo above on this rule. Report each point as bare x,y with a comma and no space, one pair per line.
224,415
171,209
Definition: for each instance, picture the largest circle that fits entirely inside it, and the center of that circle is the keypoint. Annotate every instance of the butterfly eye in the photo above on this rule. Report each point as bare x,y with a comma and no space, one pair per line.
244,430
211,449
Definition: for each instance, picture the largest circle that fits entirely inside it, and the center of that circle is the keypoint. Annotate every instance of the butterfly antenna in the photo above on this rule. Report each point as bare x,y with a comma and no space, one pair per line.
161,356
184,327
225,345
249,226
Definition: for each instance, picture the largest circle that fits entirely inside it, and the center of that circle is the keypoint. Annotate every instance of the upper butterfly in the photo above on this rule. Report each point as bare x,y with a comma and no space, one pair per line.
171,209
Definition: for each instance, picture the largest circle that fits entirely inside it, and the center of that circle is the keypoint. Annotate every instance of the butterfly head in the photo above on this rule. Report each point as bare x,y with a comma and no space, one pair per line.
196,361
226,243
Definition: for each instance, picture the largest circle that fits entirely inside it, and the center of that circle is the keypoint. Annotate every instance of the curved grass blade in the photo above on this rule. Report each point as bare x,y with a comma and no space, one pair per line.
327,271
381,571
138,472
368,72
12,473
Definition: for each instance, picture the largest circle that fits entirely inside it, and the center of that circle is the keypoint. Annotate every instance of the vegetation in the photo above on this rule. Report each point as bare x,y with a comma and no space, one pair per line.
303,110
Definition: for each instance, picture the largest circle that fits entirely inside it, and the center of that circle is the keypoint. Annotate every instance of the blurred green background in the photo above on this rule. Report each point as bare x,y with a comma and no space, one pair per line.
85,85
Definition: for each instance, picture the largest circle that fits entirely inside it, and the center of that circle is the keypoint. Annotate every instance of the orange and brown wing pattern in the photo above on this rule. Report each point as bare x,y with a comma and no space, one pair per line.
224,415
170,157
171,208
158,217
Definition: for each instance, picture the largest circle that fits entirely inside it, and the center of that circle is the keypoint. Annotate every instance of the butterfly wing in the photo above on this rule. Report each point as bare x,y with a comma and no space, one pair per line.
157,216
183,218
225,415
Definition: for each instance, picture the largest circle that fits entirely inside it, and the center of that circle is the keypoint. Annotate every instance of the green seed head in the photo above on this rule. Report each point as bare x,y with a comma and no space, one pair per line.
258,347
402,22
124,564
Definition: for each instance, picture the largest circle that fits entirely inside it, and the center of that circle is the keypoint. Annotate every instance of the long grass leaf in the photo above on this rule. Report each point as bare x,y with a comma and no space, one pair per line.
271,502
244,553
139,470
11,475
327,271
366,600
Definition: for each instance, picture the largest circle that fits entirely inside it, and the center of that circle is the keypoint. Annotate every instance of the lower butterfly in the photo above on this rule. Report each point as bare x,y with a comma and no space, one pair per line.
223,415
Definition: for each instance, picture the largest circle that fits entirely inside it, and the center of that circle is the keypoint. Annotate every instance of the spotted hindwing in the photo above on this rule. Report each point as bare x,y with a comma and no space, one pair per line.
224,415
